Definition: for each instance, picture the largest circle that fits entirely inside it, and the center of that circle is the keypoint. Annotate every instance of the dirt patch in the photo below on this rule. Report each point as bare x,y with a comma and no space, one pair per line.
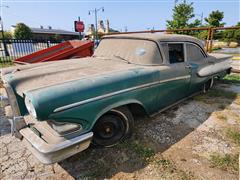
177,144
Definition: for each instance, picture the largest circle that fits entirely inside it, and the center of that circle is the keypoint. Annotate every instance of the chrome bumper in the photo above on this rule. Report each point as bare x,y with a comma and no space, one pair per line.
45,143
49,153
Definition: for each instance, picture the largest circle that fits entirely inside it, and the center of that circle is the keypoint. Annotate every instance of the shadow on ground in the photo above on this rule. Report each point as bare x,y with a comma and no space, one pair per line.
151,136
5,125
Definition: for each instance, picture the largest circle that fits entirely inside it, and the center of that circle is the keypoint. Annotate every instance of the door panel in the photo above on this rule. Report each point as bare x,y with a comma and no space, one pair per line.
196,60
175,80
174,84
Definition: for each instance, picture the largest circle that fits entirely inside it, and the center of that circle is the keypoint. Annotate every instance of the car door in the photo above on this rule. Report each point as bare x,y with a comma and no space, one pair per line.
176,78
196,59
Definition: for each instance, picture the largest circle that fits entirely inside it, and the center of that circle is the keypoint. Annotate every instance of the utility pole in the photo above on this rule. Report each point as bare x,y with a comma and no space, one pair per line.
95,11
201,15
202,18
126,29
80,34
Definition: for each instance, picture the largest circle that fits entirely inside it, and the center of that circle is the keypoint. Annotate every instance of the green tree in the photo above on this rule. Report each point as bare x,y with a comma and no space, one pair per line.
22,31
214,19
230,34
7,35
182,14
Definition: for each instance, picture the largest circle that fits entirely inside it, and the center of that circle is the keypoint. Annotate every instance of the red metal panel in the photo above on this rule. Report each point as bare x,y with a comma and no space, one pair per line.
65,50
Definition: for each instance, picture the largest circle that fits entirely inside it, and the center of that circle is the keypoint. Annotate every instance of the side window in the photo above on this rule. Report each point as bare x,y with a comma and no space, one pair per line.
175,53
194,53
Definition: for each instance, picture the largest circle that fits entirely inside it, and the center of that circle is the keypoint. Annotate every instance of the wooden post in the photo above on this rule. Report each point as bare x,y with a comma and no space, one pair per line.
212,32
208,38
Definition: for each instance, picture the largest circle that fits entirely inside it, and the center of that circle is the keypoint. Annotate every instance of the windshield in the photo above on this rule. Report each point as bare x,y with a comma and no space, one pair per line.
129,50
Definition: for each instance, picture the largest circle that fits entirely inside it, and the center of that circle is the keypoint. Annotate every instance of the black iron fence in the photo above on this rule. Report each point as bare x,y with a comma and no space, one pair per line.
11,49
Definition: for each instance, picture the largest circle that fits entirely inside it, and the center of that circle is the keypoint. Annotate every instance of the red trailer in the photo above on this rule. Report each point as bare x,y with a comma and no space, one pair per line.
65,50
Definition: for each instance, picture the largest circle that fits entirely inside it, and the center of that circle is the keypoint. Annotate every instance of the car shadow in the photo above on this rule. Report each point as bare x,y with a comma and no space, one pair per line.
151,135
5,126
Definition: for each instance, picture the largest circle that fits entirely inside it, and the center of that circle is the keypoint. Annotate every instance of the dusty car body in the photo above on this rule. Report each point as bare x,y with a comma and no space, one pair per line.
59,108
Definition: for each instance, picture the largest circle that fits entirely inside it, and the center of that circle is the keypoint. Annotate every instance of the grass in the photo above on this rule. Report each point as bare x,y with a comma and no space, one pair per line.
164,163
221,116
215,95
225,162
234,135
144,152
221,106
7,64
231,79
169,167
236,57
222,94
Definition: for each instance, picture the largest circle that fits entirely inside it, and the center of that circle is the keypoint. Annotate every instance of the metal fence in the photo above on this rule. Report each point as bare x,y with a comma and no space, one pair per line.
190,31
11,49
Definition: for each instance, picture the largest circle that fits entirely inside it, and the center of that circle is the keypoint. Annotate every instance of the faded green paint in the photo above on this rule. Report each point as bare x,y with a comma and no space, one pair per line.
152,97
152,87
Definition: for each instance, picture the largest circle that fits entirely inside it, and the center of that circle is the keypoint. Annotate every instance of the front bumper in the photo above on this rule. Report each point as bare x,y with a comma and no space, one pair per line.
45,143
49,153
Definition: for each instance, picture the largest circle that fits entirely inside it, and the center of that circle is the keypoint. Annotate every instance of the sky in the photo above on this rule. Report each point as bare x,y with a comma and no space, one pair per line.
133,14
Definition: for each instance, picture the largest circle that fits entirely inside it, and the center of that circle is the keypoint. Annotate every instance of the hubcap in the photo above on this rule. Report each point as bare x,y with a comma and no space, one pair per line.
109,130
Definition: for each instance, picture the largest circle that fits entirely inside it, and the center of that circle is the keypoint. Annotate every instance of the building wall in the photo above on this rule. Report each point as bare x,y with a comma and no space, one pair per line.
54,36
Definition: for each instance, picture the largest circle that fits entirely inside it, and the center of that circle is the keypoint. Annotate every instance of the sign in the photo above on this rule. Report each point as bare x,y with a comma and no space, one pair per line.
79,26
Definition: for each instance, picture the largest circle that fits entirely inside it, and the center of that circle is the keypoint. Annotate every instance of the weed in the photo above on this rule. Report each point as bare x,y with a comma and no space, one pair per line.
234,135
231,78
222,94
200,98
169,167
165,163
226,162
7,64
221,106
221,116
216,95
144,152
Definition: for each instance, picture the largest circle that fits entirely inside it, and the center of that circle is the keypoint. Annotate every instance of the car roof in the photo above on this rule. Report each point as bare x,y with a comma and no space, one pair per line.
158,37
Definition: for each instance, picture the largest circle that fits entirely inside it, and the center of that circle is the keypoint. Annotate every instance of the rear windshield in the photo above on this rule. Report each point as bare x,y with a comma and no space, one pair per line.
132,50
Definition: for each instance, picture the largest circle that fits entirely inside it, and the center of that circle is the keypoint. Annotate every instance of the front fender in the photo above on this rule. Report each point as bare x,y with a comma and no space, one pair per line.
118,104
87,114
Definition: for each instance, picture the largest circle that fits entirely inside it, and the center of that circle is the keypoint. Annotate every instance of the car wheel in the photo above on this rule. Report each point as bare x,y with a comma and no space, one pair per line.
113,127
208,85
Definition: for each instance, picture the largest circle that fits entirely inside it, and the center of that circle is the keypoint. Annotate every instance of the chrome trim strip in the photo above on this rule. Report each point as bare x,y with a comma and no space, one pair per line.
117,92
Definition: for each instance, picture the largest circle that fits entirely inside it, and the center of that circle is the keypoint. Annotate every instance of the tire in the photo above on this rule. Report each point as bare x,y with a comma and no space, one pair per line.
113,127
208,85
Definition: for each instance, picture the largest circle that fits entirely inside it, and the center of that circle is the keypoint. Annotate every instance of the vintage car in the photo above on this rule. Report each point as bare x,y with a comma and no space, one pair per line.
60,107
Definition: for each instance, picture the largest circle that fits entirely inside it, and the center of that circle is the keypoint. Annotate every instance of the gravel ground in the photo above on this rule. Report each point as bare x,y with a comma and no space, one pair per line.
175,144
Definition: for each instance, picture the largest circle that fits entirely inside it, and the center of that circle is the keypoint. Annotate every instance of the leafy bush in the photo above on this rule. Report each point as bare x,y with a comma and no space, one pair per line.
22,31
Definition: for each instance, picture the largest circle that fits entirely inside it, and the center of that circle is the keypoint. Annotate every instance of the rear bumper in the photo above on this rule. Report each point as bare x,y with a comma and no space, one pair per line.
49,153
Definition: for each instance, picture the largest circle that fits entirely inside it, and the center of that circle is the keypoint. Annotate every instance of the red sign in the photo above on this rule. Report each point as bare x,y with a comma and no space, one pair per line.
79,26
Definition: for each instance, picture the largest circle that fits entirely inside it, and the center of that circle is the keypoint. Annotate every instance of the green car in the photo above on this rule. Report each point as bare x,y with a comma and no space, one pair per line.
60,107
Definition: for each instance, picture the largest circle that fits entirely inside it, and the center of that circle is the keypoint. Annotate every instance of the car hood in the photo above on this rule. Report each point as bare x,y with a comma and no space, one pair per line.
35,76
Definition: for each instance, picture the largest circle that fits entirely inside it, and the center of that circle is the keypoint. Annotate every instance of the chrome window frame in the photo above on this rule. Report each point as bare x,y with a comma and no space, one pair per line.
174,42
201,50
